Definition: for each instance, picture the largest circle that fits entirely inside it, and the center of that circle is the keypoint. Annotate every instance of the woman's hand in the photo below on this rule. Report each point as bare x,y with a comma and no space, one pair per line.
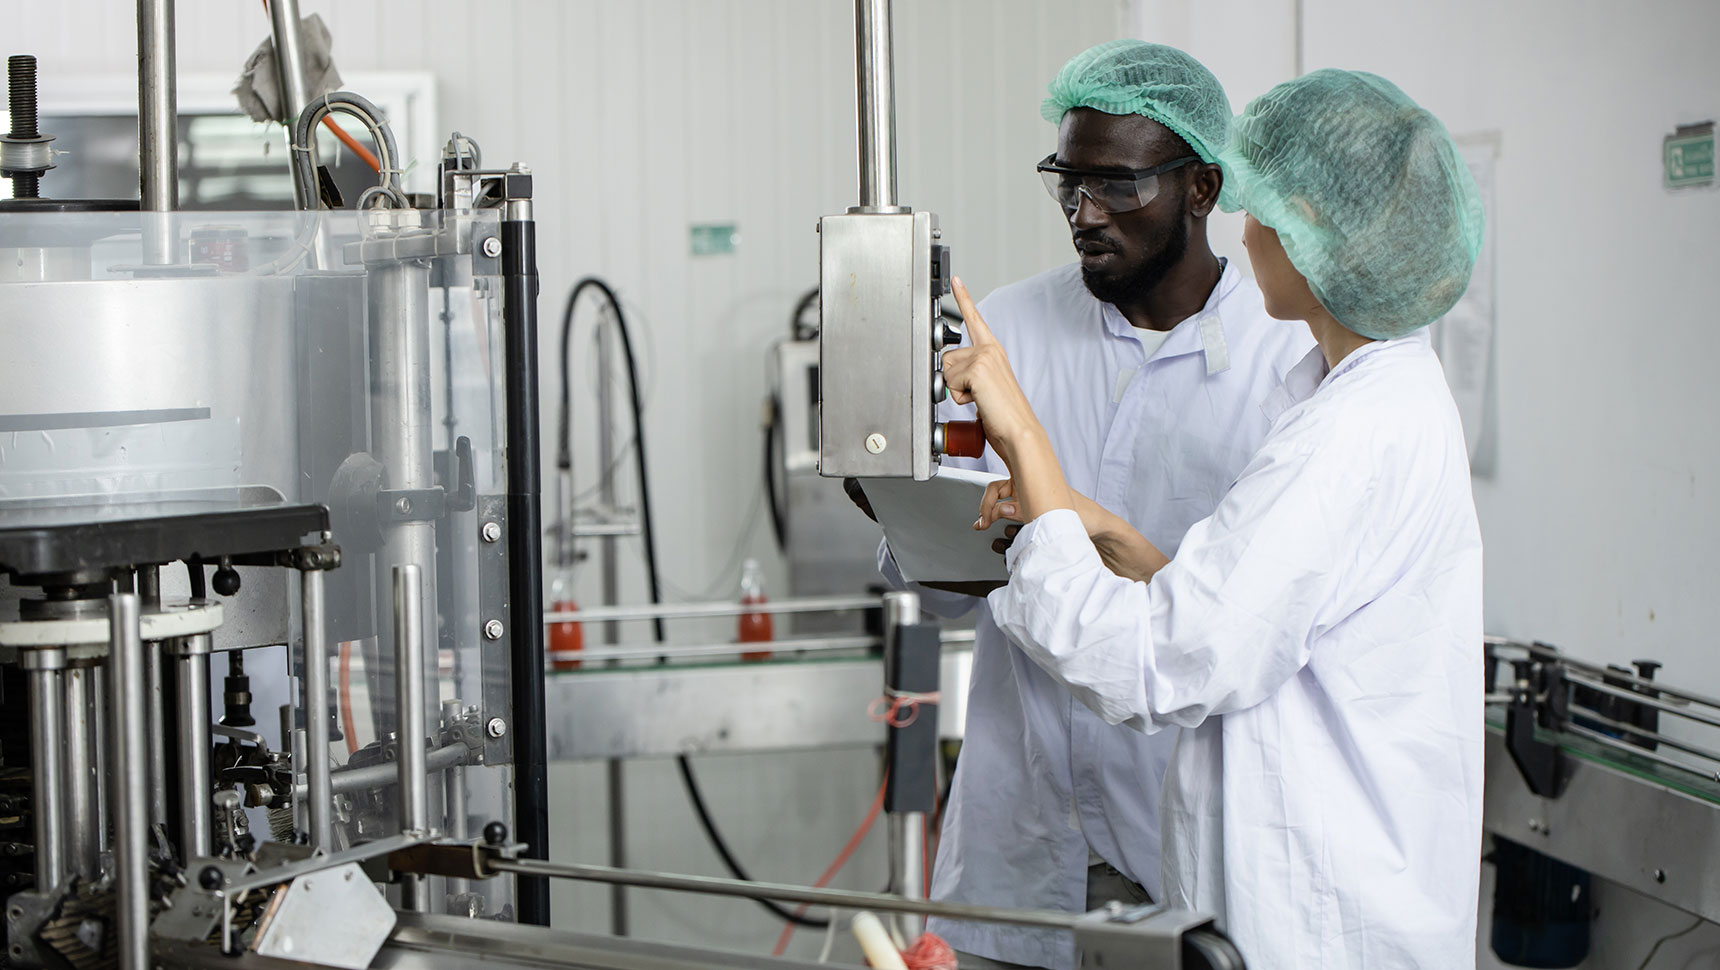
1124,551
980,374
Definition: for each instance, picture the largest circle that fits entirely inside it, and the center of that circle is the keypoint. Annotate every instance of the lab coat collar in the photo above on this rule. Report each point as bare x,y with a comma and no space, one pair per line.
1310,373
1202,332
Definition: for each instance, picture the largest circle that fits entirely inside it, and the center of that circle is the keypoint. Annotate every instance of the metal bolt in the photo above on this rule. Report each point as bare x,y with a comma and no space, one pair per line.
21,72
493,629
492,247
492,532
937,234
1659,875
875,443
496,727
1534,825
403,505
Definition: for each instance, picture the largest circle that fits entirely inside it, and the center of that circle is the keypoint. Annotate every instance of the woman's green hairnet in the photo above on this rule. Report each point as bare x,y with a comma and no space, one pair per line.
1133,77
1368,194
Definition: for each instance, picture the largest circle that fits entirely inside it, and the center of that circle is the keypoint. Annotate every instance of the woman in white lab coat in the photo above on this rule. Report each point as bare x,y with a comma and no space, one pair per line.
1319,635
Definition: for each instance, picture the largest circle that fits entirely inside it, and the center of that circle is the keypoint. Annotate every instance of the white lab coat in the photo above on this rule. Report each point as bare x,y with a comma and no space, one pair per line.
1158,440
1318,639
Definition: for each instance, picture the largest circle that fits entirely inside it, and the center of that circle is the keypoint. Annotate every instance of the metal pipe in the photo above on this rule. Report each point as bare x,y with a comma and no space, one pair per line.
1684,746
837,898
47,726
906,830
156,713
875,103
1644,699
797,645
1552,653
128,659
454,793
615,772
345,781
1613,742
317,713
289,60
104,762
196,787
83,844
157,127
675,611
525,550
409,687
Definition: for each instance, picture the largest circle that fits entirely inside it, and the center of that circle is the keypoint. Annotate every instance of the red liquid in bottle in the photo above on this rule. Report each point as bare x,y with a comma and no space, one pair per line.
566,640
753,627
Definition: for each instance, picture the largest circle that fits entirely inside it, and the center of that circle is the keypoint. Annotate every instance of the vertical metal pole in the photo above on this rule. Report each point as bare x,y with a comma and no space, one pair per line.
409,687
875,88
906,830
398,296
82,821
104,761
316,708
47,726
196,788
615,770
128,659
525,551
156,741
157,127
290,72
454,794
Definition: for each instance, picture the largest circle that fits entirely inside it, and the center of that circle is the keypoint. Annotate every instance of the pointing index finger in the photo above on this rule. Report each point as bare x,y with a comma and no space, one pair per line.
978,333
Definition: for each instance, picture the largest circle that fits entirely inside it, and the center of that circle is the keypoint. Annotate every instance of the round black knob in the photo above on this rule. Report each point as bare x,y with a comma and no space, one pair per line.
495,833
1646,668
211,879
951,336
226,580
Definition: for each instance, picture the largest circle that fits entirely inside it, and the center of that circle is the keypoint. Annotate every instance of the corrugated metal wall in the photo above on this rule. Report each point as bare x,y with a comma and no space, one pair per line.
640,118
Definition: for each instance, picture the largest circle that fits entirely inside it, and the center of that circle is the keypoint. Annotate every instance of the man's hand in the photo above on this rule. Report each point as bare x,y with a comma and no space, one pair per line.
857,495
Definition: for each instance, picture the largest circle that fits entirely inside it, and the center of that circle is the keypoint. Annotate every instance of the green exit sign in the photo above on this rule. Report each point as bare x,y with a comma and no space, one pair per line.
714,238
1689,155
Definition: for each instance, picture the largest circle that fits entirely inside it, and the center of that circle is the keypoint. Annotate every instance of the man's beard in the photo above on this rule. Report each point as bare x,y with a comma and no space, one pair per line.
1128,285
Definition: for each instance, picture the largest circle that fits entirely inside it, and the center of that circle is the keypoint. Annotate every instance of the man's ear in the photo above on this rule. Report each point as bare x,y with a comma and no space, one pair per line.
1204,182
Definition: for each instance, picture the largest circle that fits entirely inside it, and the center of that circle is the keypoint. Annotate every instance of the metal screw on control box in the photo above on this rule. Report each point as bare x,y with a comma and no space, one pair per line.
875,443
492,247
496,727
492,532
493,629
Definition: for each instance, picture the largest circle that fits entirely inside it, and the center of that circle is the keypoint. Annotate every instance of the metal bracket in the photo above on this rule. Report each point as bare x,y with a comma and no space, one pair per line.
396,505
1538,697
1120,937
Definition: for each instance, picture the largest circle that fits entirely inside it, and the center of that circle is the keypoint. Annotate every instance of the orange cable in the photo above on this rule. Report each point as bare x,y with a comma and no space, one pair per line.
347,725
836,866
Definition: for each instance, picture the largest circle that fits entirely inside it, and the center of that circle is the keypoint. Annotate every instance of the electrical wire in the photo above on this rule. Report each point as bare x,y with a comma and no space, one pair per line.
841,860
1668,938
729,860
348,726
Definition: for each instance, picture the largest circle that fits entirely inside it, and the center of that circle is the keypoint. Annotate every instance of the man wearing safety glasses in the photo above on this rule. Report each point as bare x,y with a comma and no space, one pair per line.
1147,362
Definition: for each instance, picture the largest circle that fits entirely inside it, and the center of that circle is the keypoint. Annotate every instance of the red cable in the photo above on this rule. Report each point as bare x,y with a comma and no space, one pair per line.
841,860
346,721
350,142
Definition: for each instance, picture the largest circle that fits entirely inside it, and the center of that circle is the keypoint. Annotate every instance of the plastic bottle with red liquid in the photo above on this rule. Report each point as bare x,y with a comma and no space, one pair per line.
566,639
753,627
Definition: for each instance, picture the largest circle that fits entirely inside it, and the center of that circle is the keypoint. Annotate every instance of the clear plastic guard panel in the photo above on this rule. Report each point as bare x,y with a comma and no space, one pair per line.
352,360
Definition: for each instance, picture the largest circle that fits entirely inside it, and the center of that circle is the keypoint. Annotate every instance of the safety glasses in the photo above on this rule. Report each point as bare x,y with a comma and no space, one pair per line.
1110,192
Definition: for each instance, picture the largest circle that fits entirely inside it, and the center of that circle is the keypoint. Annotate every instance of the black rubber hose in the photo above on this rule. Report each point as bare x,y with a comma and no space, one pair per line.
778,514
647,534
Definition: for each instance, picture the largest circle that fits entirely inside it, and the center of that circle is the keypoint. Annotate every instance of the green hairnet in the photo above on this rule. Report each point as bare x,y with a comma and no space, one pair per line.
1133,77
1367,191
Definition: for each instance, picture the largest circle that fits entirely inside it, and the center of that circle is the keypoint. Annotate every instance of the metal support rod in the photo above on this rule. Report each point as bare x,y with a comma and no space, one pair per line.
1601,686
289,61
155,694
906,830
345,781
83,818
875,103
1655,736
677,611
1660,688
1625,746
47,726
615,771
157,127
104,760
196,822
129,659
317,714
525,550
409,687
837,898
454,793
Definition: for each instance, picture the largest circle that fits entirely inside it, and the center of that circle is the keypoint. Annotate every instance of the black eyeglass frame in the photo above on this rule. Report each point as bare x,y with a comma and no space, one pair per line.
1049,166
